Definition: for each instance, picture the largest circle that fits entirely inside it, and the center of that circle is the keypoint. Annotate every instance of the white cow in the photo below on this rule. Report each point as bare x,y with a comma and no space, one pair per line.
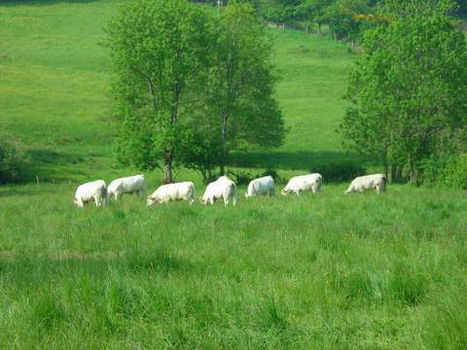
222,187
261,186
301,183
130,184
91,191
171,192
368,182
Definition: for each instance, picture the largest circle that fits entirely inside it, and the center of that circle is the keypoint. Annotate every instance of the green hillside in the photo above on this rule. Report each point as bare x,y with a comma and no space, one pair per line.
315,271
55,80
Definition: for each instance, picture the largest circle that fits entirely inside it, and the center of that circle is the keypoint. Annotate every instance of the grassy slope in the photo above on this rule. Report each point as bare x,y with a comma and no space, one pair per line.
329,271
55,78
54,84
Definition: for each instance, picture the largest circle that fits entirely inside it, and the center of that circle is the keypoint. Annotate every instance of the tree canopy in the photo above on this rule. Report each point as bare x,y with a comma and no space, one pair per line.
189,86
408,90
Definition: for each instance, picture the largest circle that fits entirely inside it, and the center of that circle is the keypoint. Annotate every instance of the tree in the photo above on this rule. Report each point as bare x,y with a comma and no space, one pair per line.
408,90
346,18
314,11
159,57
241,85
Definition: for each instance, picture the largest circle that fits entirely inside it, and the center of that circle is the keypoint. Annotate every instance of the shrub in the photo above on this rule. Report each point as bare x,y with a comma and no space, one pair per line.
448,172
342,171
274,174
241,177
11,160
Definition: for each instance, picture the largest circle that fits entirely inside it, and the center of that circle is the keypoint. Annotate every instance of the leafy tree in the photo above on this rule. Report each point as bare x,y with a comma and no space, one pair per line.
159,56
314,11
240,100
346,18
408,90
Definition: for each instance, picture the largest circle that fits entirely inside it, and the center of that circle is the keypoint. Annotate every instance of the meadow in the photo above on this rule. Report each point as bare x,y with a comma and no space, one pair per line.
325,271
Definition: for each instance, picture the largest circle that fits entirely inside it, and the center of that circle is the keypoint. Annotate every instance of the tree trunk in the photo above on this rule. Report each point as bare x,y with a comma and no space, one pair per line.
399,173
224,148
168,156
412,171
396,173
319,27
393,174
386,167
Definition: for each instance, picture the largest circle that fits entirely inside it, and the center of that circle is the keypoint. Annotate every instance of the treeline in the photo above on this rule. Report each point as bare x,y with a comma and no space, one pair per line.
408,91
343,19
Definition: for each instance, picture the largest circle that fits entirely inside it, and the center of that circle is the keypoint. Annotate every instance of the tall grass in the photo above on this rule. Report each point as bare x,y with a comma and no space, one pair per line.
324,271
328,270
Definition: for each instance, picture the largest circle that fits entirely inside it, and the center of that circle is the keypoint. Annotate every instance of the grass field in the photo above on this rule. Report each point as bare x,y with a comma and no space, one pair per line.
55,80
326,271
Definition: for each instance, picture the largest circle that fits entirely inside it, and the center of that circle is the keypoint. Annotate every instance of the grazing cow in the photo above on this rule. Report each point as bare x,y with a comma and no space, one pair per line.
368,182
130,184
222,187
261,186
171,192
301,183
89,191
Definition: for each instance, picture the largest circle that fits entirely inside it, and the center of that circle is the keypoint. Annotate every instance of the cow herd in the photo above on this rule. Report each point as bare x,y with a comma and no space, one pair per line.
223,188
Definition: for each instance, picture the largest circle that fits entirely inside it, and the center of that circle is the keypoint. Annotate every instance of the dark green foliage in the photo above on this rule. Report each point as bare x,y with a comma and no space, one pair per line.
159,56
203,154
448,171
341,171
240,102
241,177
274,174
188,84
409,87
348,18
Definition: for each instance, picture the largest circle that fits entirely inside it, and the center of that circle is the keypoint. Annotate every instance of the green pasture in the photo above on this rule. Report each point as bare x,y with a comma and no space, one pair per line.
325,271
54,91
310,272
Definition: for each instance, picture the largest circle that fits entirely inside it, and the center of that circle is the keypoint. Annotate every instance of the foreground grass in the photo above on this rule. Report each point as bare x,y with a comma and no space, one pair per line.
325,271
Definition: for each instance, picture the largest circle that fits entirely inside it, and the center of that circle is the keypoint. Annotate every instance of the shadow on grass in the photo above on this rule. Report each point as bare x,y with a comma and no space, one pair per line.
44,166
49,264
293,160
48,156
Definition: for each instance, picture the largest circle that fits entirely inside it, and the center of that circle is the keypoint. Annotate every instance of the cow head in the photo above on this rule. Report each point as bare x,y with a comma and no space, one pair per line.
150,201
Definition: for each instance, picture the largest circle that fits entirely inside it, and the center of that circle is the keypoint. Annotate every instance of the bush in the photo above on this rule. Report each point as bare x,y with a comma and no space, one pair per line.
447,172
11,160
342,171
241,177
274,174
